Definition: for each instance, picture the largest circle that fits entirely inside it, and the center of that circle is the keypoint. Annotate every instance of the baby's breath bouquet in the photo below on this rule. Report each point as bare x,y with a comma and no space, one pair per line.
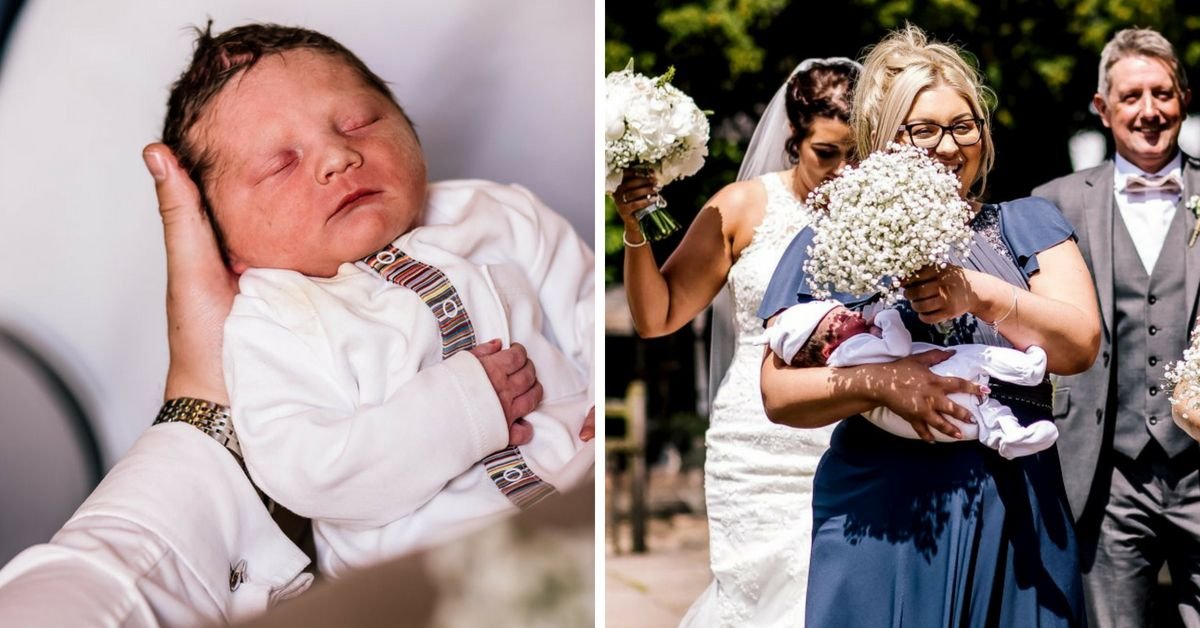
881,221
1183,377
650,124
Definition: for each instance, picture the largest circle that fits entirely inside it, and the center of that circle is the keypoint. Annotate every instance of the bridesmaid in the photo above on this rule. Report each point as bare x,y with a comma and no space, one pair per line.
758,476
908,533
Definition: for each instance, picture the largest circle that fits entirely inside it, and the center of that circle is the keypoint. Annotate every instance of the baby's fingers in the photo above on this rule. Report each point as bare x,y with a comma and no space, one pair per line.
523,379
520,432
525,402
485,348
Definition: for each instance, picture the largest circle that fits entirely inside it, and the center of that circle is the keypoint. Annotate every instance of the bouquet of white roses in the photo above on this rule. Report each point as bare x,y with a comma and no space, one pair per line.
881,221
650,124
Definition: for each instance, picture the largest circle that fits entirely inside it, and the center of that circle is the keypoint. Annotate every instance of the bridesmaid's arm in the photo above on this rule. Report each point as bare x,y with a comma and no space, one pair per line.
1058,313
1062,316
662,301
818,396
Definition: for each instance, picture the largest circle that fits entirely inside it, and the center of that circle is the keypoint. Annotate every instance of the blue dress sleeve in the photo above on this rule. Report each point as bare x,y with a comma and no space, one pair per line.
1032,225
789,283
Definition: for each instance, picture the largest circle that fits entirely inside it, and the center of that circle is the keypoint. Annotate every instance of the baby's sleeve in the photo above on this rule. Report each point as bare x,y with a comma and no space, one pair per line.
562,270
1024,368
310,445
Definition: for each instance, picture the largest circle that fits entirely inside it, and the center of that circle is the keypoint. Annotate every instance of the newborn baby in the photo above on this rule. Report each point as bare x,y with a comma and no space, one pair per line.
359,356
826,333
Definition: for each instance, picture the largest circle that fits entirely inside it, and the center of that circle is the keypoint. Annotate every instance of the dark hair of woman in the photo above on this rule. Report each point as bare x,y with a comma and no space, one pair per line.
822,90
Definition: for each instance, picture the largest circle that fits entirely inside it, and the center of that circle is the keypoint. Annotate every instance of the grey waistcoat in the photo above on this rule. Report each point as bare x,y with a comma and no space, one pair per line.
1150,333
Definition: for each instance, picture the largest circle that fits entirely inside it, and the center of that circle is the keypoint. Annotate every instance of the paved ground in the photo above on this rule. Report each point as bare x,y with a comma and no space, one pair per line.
655,589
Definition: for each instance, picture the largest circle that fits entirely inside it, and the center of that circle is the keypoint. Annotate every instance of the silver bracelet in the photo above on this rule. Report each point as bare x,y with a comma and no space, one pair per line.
995,325
631,245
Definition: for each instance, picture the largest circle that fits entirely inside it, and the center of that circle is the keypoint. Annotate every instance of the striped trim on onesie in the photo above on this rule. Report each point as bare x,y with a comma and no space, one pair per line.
507,467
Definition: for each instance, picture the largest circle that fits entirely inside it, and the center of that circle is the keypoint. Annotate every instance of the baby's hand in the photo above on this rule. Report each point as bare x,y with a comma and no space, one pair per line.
588,431
515,381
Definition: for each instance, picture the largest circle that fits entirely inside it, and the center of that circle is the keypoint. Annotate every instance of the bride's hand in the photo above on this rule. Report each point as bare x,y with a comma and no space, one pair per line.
941,294
635,192
920,396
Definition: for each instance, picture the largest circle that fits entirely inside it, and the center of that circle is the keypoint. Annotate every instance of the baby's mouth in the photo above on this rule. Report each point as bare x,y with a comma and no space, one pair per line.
353,199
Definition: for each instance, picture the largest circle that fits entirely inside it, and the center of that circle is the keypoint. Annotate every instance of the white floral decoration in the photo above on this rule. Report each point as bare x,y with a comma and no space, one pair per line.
650,123
896,212
1193,205
1183,376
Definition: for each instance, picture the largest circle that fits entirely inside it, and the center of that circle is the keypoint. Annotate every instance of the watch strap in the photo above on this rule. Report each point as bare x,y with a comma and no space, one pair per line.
208,417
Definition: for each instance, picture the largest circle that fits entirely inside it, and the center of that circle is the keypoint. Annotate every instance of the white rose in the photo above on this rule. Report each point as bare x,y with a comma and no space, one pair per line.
614,125
613,180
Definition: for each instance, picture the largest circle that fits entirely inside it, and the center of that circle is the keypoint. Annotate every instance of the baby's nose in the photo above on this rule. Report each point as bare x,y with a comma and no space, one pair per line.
336,160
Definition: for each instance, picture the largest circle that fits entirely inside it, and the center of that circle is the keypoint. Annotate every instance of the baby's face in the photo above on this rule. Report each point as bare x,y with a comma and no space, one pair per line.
841,324
311,166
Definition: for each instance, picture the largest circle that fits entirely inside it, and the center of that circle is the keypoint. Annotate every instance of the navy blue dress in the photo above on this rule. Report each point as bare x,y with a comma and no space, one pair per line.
907,533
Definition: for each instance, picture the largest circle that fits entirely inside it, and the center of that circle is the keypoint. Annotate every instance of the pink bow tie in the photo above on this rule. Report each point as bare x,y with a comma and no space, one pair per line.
1137,184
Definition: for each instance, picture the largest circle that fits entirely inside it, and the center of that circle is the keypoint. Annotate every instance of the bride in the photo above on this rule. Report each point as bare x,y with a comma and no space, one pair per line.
758,476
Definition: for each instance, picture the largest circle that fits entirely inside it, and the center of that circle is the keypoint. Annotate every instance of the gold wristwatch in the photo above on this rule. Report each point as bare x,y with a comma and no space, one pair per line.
208,417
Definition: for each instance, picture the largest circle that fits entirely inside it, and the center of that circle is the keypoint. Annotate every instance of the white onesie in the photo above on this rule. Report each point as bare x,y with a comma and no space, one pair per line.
357,404
995,425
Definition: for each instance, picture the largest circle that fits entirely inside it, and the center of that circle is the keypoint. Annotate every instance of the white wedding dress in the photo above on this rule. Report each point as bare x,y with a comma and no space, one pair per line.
758,475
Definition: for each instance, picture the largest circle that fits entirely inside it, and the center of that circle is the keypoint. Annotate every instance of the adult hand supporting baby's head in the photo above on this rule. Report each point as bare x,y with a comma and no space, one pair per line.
200,289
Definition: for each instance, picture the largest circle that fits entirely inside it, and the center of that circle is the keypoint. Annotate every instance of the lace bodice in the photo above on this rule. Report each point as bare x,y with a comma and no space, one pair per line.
783,218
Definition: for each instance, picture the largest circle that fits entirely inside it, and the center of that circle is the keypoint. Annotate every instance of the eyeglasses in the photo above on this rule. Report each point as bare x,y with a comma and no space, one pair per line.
929,135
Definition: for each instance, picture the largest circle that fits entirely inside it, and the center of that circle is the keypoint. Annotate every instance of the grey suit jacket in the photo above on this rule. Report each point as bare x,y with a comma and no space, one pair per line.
1087,200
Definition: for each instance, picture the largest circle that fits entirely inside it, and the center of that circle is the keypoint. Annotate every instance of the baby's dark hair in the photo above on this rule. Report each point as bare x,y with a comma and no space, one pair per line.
815,351
825,89
216,60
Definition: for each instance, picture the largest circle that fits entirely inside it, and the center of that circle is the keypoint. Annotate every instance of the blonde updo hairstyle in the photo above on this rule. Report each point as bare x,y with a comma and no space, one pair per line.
895,72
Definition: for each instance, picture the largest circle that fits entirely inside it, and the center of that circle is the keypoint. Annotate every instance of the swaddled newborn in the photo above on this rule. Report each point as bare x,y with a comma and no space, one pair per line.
826,333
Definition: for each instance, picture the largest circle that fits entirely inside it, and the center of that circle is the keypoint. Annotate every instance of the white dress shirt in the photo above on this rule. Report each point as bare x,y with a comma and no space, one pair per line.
1147,214
347,412
156,544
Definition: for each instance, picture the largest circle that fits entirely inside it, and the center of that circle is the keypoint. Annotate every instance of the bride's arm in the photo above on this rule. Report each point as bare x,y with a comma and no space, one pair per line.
662,301
813,397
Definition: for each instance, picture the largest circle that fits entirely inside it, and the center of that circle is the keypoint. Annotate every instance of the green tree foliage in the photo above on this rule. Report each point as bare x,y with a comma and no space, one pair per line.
1040,57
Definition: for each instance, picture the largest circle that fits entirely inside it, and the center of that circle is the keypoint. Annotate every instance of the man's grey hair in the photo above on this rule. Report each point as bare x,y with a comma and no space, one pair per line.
1140,42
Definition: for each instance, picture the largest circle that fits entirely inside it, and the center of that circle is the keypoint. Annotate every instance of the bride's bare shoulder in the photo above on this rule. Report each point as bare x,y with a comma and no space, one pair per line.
741,205
740,195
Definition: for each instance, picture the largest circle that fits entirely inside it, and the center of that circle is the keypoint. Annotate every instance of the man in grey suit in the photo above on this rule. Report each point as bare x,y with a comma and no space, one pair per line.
1132,476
